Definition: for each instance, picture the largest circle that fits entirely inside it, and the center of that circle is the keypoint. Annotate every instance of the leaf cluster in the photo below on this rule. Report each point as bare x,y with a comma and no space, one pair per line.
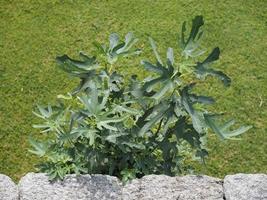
131,128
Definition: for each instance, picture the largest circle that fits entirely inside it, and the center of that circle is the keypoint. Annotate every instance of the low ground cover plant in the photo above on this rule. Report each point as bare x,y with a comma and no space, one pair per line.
132,127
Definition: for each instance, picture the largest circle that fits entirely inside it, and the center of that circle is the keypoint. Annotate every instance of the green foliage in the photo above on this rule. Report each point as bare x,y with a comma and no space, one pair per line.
117,49
130,128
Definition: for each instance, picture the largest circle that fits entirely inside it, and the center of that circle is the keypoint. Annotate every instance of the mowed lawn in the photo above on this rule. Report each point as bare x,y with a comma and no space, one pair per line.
34,32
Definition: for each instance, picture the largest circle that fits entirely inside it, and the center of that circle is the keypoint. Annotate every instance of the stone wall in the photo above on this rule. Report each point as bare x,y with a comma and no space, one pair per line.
36,186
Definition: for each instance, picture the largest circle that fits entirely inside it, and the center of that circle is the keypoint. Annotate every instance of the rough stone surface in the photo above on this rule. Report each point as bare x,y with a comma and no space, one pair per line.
8,189
163,187
245,187
36,186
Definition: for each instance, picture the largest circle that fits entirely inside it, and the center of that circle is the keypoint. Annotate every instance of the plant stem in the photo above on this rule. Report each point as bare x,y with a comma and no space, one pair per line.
110,69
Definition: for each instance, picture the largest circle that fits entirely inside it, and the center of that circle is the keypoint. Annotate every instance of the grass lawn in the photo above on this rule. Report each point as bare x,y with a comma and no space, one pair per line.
34,32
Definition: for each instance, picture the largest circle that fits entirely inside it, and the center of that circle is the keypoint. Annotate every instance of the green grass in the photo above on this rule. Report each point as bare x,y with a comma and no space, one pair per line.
34,32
